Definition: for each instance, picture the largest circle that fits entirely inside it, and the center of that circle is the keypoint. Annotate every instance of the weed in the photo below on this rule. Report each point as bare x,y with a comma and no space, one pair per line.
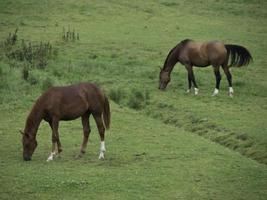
32,79
25,73
47,83
117,95
70,35
36,55
138,99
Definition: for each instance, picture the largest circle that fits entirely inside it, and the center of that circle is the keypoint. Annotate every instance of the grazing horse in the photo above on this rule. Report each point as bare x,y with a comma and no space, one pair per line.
67,103
202,54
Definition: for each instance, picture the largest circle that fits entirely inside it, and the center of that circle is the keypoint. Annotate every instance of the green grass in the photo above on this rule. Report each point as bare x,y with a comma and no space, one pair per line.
171,145
145,160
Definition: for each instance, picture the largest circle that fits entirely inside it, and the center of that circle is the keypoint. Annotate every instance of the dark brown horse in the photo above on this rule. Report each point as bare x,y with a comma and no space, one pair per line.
67,103
202,54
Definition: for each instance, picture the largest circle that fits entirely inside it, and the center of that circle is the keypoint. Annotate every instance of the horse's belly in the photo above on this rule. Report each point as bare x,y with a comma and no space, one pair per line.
68,118
73,112
200,62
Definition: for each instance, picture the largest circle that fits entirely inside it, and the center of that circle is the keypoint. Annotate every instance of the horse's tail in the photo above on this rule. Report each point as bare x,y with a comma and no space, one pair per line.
106,112
240,56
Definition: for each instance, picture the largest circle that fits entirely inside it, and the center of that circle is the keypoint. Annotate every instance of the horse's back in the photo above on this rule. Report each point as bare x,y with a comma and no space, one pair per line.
70,102
206,53
217,53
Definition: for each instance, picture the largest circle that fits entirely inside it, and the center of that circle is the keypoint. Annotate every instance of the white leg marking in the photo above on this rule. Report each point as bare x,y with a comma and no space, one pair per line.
101,155
188,91
102,146
216,91
196,91
51,156
231,92
102,150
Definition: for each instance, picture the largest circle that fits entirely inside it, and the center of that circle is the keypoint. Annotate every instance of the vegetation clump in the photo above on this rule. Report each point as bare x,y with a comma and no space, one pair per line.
33,54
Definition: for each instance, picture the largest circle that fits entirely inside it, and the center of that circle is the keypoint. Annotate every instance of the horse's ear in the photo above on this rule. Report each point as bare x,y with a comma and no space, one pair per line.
21,132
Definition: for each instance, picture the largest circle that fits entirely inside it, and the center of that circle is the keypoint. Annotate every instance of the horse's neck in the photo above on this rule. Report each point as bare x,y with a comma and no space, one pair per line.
172,59
33,121
169,65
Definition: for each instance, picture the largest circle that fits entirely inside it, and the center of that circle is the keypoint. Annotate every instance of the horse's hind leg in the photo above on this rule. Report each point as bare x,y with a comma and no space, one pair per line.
86,133
101,131
217,74
229,78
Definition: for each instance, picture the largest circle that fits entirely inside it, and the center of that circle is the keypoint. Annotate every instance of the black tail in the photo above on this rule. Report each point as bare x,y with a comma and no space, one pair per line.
240,56
106,113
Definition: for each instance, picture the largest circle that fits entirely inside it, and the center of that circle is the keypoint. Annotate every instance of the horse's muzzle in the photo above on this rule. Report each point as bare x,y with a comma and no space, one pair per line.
27,158
162,88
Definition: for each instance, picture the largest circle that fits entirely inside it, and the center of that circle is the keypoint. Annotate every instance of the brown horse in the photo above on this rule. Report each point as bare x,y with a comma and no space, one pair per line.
67,103
202,54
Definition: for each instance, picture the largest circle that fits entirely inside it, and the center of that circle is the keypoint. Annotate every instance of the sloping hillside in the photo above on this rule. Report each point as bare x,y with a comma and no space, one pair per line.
161,144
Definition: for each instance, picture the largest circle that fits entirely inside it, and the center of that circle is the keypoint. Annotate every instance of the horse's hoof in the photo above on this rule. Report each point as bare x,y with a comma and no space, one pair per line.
101,156
231,95
50,158
78,156
196,91
216,92
188,91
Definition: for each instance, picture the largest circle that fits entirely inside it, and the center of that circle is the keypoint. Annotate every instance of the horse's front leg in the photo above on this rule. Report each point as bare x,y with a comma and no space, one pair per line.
86,133
189,83
218,80
191,78
56,145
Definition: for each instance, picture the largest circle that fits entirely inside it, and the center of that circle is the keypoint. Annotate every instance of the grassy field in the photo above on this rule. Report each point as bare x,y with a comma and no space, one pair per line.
168,144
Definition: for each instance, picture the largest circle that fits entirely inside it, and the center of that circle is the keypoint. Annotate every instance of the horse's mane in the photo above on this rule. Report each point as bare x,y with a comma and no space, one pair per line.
184,42
34,116
180,44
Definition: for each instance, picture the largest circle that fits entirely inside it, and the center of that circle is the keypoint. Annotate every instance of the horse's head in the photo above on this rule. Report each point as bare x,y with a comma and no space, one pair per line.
164,79
29,144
